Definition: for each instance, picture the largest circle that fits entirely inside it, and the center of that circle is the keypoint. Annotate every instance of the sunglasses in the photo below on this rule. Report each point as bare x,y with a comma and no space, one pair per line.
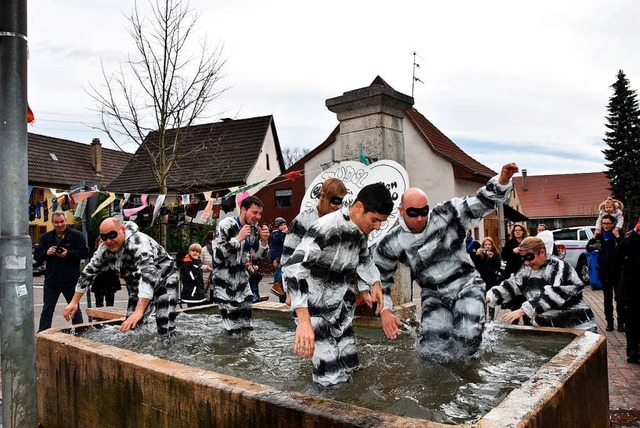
336,200
415,212
109,235
528,257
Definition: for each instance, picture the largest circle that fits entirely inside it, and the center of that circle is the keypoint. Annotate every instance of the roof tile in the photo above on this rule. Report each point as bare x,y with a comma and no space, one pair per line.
74,162
563,195
219,154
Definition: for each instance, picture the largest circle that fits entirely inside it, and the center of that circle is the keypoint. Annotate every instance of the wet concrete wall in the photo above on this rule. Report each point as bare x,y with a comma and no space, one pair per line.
86,384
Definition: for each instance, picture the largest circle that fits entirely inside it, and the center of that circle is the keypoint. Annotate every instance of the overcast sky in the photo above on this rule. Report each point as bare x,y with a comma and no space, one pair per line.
505,80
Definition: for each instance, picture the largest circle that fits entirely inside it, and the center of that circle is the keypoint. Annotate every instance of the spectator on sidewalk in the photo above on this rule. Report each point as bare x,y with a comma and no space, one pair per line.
276,246
255,276
487,261
62,248
612,207
629,253
609,269
191,278
512,258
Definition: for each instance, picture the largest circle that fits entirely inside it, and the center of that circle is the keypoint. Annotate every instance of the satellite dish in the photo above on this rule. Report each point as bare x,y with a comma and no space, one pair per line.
355,176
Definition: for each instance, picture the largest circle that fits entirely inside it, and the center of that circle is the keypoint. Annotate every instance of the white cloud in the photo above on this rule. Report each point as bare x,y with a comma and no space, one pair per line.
525,78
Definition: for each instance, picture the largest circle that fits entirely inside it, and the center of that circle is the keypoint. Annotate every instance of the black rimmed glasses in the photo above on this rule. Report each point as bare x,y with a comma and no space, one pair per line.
109,235
415,212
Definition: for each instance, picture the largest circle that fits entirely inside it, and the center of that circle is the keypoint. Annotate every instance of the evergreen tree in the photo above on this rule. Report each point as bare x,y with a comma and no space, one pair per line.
623,139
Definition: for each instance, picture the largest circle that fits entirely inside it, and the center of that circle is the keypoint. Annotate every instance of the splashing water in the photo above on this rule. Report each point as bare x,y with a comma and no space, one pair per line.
393,378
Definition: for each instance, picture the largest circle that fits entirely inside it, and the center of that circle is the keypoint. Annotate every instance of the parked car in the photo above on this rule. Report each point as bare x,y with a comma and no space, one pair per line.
574,240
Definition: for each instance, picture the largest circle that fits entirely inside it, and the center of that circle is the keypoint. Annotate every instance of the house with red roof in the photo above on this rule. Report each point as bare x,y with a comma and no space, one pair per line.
433,161
561,200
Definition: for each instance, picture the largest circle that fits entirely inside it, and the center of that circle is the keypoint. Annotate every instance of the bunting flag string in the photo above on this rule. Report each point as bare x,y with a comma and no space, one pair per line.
156,209
292,175
31,118
80,195
105,203
131,211
209,207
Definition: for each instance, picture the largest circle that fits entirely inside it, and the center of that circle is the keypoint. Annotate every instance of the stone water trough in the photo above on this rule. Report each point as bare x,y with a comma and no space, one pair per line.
82,383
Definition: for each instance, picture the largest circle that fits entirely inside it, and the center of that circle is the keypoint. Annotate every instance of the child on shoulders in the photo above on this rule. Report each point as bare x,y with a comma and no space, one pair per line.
614,208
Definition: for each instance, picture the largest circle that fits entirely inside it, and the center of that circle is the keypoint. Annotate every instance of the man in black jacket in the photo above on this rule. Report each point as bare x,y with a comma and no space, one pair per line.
609,269
62,249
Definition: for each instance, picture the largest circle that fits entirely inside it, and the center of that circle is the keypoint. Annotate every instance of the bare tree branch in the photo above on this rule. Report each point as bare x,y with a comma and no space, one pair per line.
166,84
292,155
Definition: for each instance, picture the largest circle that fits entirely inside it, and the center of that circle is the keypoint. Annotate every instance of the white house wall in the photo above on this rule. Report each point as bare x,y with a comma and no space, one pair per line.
260,171
312,168
426,169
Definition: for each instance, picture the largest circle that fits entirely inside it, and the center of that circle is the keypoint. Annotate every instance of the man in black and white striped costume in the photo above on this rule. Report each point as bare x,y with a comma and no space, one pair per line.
236,238
433,245
149,272
320,273
551,287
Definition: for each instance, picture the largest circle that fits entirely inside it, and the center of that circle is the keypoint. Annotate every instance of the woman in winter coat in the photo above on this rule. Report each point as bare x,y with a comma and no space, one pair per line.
513,260
191,276
487,261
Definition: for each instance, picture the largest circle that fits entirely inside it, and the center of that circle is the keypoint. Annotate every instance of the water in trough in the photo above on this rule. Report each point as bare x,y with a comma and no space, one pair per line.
394,378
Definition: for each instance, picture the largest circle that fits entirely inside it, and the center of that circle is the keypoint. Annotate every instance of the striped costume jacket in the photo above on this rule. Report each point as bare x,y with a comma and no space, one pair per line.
230,278
452,291
553,293
148,271
322,267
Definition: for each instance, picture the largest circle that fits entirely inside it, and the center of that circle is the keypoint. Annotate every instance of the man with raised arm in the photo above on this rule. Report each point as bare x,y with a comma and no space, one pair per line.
432,244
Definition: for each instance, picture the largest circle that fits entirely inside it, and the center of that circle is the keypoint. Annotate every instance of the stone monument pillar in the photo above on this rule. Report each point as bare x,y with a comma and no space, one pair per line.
371,123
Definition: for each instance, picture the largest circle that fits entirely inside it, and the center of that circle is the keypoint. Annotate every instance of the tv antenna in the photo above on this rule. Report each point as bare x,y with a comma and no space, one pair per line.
415,66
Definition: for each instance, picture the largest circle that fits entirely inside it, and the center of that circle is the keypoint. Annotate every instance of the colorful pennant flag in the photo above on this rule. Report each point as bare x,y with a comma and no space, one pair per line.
106,203
131,211
156,209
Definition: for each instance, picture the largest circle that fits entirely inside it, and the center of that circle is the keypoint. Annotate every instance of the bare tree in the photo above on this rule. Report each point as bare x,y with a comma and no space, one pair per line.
166,84
292,155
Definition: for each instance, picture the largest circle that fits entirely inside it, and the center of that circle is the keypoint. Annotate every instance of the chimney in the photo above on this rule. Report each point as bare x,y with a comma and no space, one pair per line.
371,121
525,185
96,156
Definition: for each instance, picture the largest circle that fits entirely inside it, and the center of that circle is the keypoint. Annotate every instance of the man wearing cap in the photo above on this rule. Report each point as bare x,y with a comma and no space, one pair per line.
433,245
276,246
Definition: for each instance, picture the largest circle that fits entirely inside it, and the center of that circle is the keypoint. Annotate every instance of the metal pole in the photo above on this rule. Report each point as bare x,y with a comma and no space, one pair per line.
17,338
